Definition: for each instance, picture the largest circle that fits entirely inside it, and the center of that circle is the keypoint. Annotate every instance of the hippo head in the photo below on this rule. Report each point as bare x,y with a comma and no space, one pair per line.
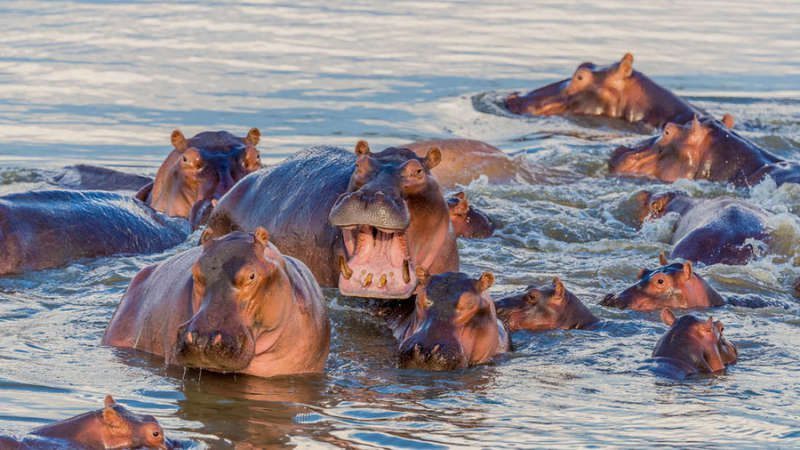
681,151
592,90
240,294
671,285
392,217
200,170
454,324
695,344
124,429
544,308
652,206
467,221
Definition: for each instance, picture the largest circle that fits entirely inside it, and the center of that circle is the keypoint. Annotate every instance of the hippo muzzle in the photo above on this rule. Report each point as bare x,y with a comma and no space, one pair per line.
432,348
636,161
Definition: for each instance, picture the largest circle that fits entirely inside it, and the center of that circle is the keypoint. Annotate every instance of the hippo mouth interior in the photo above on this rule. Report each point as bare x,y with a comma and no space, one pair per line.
377,263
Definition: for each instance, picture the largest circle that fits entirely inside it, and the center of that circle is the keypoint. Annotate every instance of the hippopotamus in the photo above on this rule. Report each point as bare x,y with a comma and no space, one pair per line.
453,323
233,304
44,229
88,177
694,346
702,149
711,231
113,426
544,308
200,170
615,91
361,221
468,221
674,285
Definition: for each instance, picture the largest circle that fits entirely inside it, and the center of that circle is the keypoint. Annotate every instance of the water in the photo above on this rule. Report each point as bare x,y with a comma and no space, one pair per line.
107,82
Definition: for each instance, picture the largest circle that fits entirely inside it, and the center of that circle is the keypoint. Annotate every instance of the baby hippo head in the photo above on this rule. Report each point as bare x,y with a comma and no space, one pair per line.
467,221
454,325
671,285
544,308
698,346
124,429
240,292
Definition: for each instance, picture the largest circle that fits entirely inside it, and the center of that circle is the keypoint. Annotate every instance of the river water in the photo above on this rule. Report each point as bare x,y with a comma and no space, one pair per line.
105,83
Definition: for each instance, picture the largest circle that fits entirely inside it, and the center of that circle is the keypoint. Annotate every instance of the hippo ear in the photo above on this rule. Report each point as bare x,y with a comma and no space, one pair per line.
179,141
667,316
111,418
625,68
641,274
728,121
207,236
253,136
433,158
423,276
558,288
261,235
108,401
462,207
362,148
662,259
485,281
687,270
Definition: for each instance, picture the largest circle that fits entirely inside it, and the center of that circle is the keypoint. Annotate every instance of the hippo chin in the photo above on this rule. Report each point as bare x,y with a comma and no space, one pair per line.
715,231
362,222
694,346
468,221
674,285
453,324
236,304
114,426
544,308
615,91
201,170
702,149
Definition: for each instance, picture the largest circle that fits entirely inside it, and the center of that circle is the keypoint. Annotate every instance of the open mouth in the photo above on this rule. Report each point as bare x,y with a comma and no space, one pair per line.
377,263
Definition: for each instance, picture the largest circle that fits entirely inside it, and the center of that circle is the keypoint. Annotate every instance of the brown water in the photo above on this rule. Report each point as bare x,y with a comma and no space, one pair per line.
107,82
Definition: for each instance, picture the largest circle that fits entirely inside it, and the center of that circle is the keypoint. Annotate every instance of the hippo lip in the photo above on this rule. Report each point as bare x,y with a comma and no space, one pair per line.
379,264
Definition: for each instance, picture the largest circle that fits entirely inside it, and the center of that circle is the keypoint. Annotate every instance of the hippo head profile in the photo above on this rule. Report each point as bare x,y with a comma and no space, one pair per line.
695,150
650,206
592,90
200,170
544,308
697,346
467,221
454,324
392,217
240,293
671,285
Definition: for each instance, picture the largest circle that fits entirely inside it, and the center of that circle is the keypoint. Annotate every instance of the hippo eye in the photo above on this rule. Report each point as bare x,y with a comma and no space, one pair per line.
660,281
418,172
580,77
185,159
156,434
252,276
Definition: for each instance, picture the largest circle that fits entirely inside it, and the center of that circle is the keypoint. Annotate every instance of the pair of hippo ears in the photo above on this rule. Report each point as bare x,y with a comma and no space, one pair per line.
180,142
431,160
668,317
484,282
687,265
260,236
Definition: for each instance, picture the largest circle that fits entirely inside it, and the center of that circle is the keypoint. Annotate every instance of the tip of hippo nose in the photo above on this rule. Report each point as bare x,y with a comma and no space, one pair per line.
437,357
608,300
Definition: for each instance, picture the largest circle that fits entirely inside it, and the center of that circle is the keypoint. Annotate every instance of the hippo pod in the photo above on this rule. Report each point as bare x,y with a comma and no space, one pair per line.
44,229
544,308
716,231
113,426
468,221
235,304
703,149
674,285
694,346
362,222
615,91
199,171
452,325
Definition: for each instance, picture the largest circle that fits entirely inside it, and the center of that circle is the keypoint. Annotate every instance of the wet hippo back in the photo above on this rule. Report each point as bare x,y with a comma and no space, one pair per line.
293,200
46,229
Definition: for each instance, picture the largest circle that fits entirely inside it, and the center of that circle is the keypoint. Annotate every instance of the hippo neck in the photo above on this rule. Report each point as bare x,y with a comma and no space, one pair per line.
86,429
732,158
431,230
657,104
577,315
171,195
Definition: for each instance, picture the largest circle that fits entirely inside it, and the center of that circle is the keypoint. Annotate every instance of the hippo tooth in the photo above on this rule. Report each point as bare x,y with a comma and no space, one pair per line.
382,281
347,272
189,337
367,281
217,338
406,272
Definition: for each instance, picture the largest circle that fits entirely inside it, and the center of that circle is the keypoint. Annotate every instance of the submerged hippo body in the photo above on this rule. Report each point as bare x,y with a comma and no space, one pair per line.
693,346
87,177
715,231
703,149
468,221
452,325
114,426
362,222
674,285
200,170
615,91
544,308
44,229
235,304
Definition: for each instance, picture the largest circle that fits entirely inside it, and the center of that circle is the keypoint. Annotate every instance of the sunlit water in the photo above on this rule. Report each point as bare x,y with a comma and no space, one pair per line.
106,83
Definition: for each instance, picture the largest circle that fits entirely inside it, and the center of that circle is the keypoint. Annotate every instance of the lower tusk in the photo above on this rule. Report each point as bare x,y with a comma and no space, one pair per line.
382,281
406,272
347,272
367,281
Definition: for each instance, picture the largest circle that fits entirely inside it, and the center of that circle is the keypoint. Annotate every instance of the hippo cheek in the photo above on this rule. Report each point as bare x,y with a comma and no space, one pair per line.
214,348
